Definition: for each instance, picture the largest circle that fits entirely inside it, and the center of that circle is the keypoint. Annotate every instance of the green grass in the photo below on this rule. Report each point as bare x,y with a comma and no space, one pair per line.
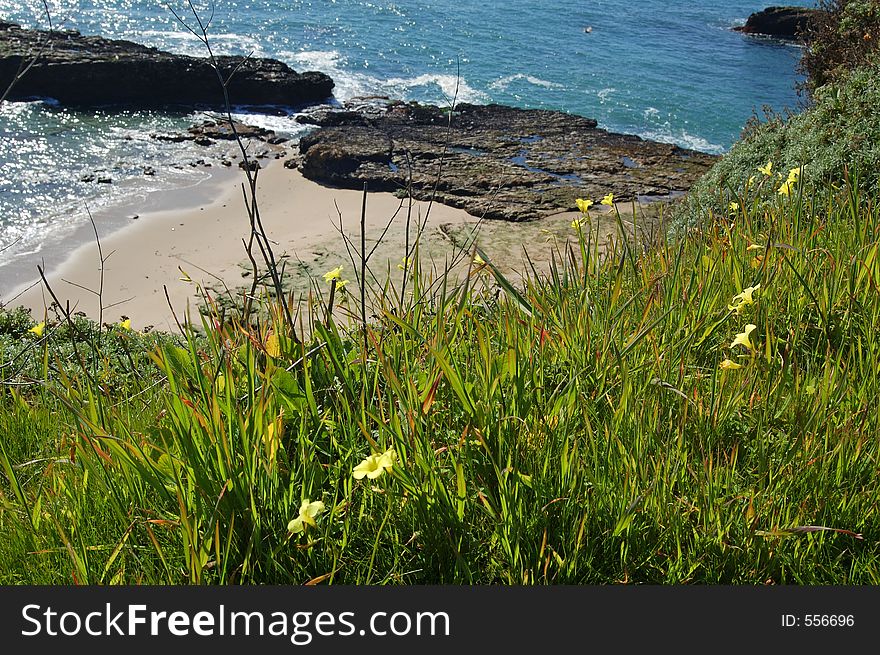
578,429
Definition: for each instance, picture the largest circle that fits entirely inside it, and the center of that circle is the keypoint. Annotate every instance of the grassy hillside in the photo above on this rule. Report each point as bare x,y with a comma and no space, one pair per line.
699,412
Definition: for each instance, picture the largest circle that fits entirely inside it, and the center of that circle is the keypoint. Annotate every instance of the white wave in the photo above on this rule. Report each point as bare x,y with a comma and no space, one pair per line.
651,112
682,138
320,60
604,93
347,84
37,248
282,124
351,84
450,86
502,83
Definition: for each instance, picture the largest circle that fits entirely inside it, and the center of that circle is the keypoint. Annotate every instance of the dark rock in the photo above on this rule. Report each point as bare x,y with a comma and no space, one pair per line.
208,132
494,161
103,179
780,22
88,177
172,138
224,130
93,71
329,118
149,170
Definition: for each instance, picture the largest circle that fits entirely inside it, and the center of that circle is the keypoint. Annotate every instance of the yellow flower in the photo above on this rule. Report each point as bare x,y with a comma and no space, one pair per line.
368,468
745,298
329,276
751,180
126,324
583,205
742,339
479,261
608,200
38,329
794,174
340,284
387,459
375,465
734,206
307,513
756,246
404,263
577,223
729,364
785,189
767,169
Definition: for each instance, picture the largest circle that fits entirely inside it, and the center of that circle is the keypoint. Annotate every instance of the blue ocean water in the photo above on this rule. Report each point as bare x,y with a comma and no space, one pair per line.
669,70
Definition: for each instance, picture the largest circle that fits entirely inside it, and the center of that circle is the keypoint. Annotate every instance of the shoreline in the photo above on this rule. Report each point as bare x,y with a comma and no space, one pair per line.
301,217
205,241
61,245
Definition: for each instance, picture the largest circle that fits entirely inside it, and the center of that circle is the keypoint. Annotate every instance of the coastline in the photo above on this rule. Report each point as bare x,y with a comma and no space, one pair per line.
301,217
205,241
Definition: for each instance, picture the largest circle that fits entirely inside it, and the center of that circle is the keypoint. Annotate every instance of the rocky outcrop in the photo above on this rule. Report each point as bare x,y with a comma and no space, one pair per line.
491,160
779,22
92,71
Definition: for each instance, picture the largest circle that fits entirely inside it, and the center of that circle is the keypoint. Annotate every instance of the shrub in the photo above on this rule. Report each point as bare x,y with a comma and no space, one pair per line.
840,39
839,133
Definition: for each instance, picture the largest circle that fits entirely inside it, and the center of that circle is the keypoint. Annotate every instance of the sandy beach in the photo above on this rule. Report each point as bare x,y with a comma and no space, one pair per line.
205,243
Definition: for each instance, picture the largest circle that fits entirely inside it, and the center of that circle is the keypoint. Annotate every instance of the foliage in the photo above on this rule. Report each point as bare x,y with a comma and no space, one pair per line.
839,40
839,133
580,428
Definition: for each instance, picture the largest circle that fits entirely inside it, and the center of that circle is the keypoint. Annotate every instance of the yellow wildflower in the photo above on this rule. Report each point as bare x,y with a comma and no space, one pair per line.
583,205
38,329
608,200
375,465
126,324
329,276
785,189
340,284
745,298
766,169
742,339
404,263
368,468
479,261
577,223
729,364
734,206
307,513
387,459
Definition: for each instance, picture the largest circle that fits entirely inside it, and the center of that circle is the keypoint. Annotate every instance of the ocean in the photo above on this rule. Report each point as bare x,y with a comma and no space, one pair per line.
671,71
